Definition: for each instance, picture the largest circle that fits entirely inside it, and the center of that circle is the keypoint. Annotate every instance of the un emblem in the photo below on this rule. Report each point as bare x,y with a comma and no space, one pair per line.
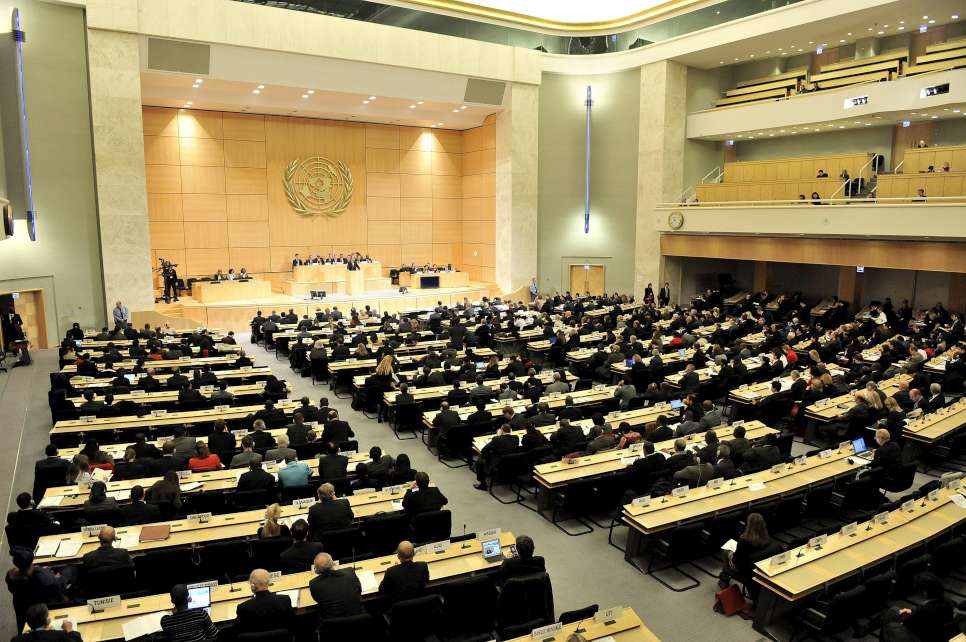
318,185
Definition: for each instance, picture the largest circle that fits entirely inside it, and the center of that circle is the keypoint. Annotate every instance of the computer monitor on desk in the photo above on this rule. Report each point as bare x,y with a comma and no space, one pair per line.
428,282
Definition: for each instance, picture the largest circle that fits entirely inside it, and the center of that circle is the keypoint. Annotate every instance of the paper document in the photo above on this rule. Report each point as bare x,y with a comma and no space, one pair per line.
756,486
293,594
190,486
397,504
69,547
958,499
129,539
119,495
50,502
46,548
368,581
730,545
144,625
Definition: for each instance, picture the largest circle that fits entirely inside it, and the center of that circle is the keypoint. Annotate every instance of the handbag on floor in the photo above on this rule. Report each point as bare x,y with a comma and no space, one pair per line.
729,601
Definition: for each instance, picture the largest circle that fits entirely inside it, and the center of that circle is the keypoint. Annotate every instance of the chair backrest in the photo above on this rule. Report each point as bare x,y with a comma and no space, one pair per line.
901,479
341,543
416,618
384,532
265,552
569,617
110,581
351,628
274,635
524,599
511,466
464,602
432,526
248,499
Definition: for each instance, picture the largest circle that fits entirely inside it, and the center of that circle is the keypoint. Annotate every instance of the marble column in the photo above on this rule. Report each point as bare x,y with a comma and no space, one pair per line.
516,189
660,167
122,205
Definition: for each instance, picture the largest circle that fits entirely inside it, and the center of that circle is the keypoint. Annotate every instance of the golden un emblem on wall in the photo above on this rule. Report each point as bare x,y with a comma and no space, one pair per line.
318,185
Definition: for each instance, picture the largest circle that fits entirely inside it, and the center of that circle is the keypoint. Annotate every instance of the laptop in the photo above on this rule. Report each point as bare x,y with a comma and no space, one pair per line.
630,363
858,445
492,552
131,378
200,598
676,404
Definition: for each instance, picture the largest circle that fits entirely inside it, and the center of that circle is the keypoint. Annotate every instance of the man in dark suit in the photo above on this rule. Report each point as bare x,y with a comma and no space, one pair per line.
264,611
220,440
139,511
329,514
176,380
105,556
336,430
570,411
566,438
270,415
444,420
690,382
51,471
888,456
738,444
423,497
457,396
936,399
493,452
28,517
167,461
525,562
338,593
38,619
297,431
680,458
406,579
646,468
298,557
761,457
332,465
255,478
189,396
91,406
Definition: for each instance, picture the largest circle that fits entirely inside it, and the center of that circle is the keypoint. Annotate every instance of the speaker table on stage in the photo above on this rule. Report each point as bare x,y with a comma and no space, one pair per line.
433,280
334,277
216,292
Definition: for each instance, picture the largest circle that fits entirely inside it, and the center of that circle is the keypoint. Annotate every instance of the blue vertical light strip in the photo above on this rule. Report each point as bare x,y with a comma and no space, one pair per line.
19,38
589,103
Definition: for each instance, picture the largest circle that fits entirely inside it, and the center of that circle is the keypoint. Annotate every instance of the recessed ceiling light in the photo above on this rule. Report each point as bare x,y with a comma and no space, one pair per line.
432,125
900,28
955,111
781,131
752,55
779,49
365,102
310,91
256,91
842,40
880,32
412,106
870,28
456,111
198,81
439,124
462,106
934,117
856,122
868,124
885,26
772,135
932,22
768,52
841,126
261,86
721,62
925,17
305,95
419,102
955,16
195,86
736,60
811,42
189,103
945,108
372,97
849,33
799,49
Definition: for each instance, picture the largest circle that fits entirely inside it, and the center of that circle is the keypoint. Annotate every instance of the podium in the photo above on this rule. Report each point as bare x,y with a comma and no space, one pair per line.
355,282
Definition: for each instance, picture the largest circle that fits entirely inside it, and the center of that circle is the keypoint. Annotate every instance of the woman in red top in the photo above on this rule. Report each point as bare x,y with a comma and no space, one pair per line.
204,460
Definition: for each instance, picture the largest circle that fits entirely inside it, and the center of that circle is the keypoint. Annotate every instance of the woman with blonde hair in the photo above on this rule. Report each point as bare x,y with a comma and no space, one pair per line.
385,367
272,527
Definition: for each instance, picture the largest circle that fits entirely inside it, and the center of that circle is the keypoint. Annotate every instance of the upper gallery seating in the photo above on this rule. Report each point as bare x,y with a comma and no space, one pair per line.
940,57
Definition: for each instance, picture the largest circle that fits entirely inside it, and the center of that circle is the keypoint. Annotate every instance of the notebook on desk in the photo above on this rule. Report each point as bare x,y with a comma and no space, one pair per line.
157,533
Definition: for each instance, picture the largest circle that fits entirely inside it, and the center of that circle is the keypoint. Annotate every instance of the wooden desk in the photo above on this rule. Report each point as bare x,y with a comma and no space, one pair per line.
811,570
937,425
106,626
212,481
240,525
704,502
336,367
121,342
735,299
835,407
451,279
103,424
755,392
581,398
171,396
81,382
707,374
555,475
439,392
117,450
333,272
219,291
544,344
163,364
627,628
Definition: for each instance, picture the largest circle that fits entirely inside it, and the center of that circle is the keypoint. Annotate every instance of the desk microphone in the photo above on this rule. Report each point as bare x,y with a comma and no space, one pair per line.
353,558
465,545
231,585
579,624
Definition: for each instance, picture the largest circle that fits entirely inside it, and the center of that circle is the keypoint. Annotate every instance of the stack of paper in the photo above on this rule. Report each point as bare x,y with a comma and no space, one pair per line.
144,625
368,581
50,502
293,595
46,548
68,547
129,538
190,486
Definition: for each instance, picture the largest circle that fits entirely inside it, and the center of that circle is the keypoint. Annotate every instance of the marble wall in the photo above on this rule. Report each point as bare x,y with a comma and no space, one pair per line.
516,188
660,168
115,95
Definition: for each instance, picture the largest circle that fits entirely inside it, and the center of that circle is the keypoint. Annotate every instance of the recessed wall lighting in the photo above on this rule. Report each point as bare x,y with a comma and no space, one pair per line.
462,106
372,97
198,81
932,22
849,33
305,95
955,16
456,111
925,17
900,29
419,102
365,102
440,124
412,106
256,91
843,40
934,117
261,86
310,91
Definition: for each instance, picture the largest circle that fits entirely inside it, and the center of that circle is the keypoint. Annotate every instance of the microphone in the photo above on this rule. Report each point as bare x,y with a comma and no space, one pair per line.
465,545
231,585
353,558
579,624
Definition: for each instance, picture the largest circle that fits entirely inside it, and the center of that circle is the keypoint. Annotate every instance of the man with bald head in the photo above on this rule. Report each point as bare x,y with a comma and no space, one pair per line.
337,592
408,578
265,611
105,557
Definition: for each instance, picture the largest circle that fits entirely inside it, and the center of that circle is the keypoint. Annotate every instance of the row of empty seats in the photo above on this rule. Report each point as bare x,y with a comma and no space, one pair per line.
940,56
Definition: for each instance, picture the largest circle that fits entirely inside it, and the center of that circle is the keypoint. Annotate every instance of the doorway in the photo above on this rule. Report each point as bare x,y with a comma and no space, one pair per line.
587,279
23,311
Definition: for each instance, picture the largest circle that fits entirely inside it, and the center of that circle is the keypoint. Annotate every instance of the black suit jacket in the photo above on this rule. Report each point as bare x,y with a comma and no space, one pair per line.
265,611
102,558
333,466
519,567
421,501
256,480
888,457
221,442
337,593
404,580
298,557
51,635
330,515
337,432
140,513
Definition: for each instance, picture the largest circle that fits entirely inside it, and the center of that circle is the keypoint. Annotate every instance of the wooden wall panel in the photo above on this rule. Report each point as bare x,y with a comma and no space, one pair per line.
216,198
